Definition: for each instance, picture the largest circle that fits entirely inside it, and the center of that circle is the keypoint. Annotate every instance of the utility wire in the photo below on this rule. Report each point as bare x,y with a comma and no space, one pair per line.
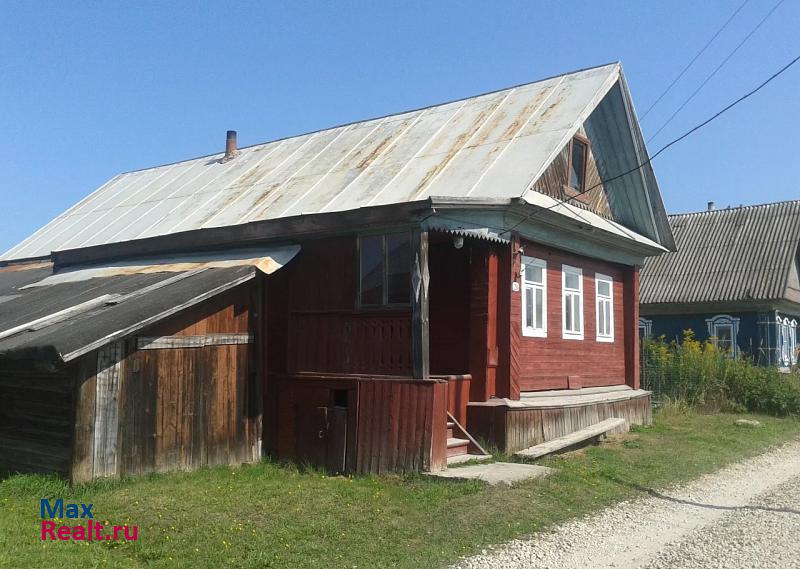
695,58
716,70
654,156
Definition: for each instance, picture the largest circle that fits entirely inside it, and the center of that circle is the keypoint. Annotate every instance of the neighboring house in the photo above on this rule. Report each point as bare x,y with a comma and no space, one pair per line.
734,279
361,298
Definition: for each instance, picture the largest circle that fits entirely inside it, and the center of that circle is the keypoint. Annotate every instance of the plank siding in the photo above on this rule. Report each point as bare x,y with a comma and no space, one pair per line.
106,425
516,429
554,182
401,426
180,407
35,421
548,363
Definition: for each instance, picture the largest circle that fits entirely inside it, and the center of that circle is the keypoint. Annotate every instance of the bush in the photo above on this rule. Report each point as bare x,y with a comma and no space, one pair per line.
702,376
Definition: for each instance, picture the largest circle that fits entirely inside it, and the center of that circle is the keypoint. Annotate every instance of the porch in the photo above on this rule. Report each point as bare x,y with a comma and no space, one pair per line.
542,416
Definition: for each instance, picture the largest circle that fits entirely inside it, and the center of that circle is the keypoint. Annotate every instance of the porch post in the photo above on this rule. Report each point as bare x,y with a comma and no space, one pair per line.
420,329
631,312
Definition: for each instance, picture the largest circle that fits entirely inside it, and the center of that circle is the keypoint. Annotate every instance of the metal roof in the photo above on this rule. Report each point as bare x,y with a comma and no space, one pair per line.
738,254
61,322
60,316
494,145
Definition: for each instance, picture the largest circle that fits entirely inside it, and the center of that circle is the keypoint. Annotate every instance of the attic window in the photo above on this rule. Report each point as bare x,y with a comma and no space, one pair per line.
579,149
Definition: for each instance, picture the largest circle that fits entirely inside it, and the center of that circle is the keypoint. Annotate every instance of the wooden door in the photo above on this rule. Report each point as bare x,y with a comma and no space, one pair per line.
321,436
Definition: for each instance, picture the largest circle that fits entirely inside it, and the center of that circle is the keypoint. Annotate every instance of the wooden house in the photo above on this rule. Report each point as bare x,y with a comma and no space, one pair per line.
368,298
734,279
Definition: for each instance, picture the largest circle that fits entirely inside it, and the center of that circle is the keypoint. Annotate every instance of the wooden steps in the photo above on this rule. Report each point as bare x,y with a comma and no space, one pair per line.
461,447
457,446
572,439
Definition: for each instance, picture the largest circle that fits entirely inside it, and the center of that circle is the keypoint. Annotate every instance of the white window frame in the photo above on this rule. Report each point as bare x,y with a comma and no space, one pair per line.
786,347
534,331
573,293
599,301
725,320
646,325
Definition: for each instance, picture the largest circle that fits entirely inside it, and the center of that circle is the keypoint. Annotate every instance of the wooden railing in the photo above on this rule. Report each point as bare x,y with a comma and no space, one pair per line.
337,342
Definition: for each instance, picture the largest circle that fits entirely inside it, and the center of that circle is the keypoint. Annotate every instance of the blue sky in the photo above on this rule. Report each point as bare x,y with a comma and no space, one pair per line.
88,90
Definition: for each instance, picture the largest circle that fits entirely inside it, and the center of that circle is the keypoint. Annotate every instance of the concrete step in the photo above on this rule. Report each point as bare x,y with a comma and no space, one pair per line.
572,439
457,447
461,458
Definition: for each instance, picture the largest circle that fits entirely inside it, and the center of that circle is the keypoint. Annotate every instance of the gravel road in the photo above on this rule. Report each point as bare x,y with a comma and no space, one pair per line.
746,515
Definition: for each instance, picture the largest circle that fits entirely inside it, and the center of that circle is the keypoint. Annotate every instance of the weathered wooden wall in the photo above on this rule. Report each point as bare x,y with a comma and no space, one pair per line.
548,363
143,409
35,420
513,429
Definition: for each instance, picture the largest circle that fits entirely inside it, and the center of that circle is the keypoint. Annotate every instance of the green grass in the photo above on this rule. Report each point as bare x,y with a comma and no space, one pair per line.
270,515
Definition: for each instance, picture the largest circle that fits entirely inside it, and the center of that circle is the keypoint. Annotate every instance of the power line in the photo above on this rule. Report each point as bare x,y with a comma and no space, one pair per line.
654,156
716,70
695,58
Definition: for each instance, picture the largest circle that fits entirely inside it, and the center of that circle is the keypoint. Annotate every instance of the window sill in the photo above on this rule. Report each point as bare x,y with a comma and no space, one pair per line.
572,335
534,333
606,339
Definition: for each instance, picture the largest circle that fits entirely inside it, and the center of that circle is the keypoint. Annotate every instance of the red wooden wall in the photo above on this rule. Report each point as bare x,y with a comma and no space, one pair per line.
319,345
314,325
548,363
401,426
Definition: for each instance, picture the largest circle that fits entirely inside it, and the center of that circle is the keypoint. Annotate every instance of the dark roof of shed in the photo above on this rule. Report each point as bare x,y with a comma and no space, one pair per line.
737,254
67,339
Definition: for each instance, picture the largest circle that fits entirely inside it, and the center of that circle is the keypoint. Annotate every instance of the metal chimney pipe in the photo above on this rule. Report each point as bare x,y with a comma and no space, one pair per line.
711,206
230,146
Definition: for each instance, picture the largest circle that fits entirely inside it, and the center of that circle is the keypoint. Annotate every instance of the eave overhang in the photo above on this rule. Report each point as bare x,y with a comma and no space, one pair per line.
566,227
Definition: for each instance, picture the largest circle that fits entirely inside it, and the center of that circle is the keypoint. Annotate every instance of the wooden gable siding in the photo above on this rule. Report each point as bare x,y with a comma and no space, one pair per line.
555,179
35,420
549,363
172,408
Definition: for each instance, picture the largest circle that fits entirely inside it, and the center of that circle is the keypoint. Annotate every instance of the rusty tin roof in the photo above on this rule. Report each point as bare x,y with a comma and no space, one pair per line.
494,145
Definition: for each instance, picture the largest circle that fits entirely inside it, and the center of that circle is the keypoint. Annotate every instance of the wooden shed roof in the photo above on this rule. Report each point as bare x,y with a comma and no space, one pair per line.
745,253
60,316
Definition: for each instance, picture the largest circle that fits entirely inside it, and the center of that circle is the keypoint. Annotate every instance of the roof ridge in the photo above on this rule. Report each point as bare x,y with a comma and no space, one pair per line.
380,117
734,208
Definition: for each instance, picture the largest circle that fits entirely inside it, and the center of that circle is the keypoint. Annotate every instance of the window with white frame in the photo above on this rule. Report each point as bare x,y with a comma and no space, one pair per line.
723,330
604,294
572,302
534,297
787,342
645,327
